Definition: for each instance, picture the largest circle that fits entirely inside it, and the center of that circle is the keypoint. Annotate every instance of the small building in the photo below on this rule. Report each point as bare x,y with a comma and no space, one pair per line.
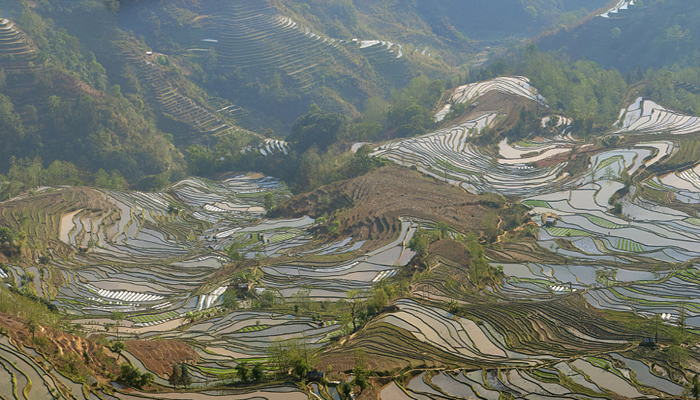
149,53
245,287
390,309
648,342
315,375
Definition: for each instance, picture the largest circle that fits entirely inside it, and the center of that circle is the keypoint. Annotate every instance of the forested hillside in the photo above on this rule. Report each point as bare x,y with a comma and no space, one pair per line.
651,33
141,93
58,104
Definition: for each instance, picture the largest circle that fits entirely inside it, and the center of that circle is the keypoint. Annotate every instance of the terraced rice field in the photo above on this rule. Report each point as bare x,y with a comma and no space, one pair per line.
453,335
171,101
448,154
153,254
568,232
628,245
647,117
568,379
518,85
335,281
15,53
253,36
156,258
604,223
22,377
620,5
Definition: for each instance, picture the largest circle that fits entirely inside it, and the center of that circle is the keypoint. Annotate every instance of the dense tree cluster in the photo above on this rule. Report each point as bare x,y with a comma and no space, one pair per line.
131,376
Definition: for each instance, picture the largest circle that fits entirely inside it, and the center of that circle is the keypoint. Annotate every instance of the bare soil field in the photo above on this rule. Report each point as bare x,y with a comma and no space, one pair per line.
159,355
368,207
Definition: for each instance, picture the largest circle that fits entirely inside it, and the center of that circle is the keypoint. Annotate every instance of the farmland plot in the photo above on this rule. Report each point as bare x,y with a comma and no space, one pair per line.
335,281
648,117
454,335
14,49
584,211
249,333
572,379
447,155
518,85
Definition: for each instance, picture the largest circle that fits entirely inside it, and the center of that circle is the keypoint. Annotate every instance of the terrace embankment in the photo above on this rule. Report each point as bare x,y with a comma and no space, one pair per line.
73,355
159,355
368,207
506,104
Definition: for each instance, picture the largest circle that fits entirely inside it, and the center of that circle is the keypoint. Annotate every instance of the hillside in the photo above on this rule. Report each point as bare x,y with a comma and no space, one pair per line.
649,34
338,200
366,215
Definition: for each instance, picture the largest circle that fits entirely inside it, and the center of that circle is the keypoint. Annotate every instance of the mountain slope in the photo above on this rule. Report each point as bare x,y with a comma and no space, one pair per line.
657,34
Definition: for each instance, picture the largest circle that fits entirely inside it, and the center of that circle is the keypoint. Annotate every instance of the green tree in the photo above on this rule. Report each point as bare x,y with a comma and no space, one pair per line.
175,376
317,128
420,243
443,229
118,346
116,91
653,326
695,388
269,201
334,228
133,377
243,371
117,316
269,298
31,326
531,11
677,354
185,376
7,236
258,372
301,367
230,300
356,299
291,355
233,252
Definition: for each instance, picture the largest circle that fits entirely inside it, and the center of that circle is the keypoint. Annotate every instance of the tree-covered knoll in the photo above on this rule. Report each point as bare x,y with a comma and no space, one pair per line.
582,90
676,88
320,140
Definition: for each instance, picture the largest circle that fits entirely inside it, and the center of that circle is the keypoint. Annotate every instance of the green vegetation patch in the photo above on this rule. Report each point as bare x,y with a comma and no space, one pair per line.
536,203
155,317
252,328
602,222
567,232
628,245
454,168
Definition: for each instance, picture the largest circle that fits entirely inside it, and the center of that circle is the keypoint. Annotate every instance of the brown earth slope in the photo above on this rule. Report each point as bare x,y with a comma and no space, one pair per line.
368,207
75,356
159,355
